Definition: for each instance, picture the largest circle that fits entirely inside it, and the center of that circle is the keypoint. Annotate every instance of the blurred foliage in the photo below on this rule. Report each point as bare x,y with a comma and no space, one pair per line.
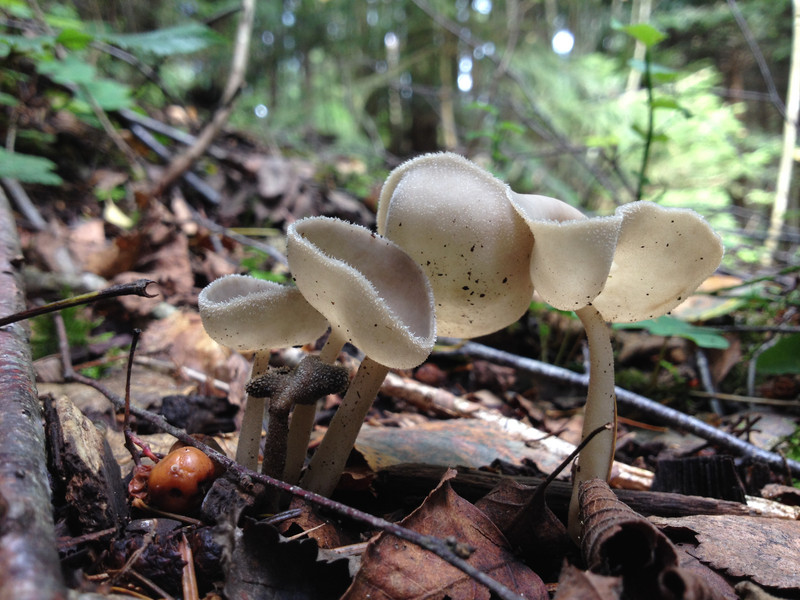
667,326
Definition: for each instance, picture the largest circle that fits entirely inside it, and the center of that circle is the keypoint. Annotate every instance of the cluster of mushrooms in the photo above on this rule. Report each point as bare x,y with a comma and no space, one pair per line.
457,253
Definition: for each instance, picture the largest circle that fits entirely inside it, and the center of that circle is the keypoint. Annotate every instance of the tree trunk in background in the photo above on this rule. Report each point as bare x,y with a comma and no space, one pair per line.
640,13
784,184
446,101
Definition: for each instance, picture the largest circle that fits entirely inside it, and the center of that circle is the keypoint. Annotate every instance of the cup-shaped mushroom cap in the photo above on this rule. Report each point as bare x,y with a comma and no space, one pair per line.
663,255
572,255
367,287
455,220
248,314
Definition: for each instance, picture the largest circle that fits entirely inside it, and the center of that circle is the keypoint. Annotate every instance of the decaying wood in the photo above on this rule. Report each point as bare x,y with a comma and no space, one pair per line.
408,481
29,564
85,465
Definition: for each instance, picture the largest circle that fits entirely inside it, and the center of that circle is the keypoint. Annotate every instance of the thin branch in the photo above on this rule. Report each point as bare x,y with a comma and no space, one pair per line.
133,288
774,97
181,163
670,416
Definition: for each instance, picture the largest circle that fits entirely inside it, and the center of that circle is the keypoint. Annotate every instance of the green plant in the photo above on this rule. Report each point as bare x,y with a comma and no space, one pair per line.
652,74
69,53
668,326
79,329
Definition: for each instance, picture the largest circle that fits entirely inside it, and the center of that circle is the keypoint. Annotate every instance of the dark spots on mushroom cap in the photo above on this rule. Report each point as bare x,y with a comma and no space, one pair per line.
482,296
505,280
465,287
473,248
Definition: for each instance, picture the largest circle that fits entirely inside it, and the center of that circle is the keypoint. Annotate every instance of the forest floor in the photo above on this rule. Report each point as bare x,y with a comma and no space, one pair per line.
455,450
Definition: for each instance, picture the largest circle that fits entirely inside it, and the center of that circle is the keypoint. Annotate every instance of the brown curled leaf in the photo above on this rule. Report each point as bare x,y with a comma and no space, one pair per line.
615,540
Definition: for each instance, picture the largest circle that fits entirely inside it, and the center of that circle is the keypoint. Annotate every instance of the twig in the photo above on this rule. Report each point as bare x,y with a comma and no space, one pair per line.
244,477
134,288
747,399
237,237
707,380
188,176
183,162
763,68
668,415
126,421
24,203
169,131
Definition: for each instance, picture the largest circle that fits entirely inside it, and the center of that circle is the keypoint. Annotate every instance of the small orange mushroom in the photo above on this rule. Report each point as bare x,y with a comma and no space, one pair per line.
179,481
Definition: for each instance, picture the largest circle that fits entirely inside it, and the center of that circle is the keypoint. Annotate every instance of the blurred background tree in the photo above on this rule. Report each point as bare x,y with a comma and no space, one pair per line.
554,96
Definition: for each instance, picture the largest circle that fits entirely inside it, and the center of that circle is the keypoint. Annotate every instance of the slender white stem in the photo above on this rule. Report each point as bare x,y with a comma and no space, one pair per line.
329,460
601,407
250,434
302,423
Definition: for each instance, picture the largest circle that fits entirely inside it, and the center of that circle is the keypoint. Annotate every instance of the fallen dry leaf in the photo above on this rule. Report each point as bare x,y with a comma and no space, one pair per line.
534,532
762,549
574,584
263,564
398,570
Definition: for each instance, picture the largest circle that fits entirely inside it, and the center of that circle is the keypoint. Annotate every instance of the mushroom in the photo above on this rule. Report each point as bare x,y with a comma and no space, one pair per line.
637,264
375,297
249,314
455,220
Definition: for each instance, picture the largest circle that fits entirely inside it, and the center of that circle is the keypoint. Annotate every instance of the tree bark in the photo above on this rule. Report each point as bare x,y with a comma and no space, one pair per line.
29,563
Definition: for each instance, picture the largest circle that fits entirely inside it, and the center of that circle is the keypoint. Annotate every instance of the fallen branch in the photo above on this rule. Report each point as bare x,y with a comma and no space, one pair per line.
29,561
665,414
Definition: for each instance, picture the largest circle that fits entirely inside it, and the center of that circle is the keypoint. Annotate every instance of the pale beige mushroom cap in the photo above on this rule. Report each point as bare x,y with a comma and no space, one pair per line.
455,220
572,255
367,287
663,255
637,264
249,314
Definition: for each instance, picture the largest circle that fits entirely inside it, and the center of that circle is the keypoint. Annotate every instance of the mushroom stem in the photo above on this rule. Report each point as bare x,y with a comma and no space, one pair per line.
250,434
601,407
303,416
329,460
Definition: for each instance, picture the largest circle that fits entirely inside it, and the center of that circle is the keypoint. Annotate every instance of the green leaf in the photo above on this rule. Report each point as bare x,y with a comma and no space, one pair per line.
647,34
670,104
782,358
17,8
666,326
181,39
24,45
70,71
109,94
659,73
8,99
654,137
27,168
74,39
